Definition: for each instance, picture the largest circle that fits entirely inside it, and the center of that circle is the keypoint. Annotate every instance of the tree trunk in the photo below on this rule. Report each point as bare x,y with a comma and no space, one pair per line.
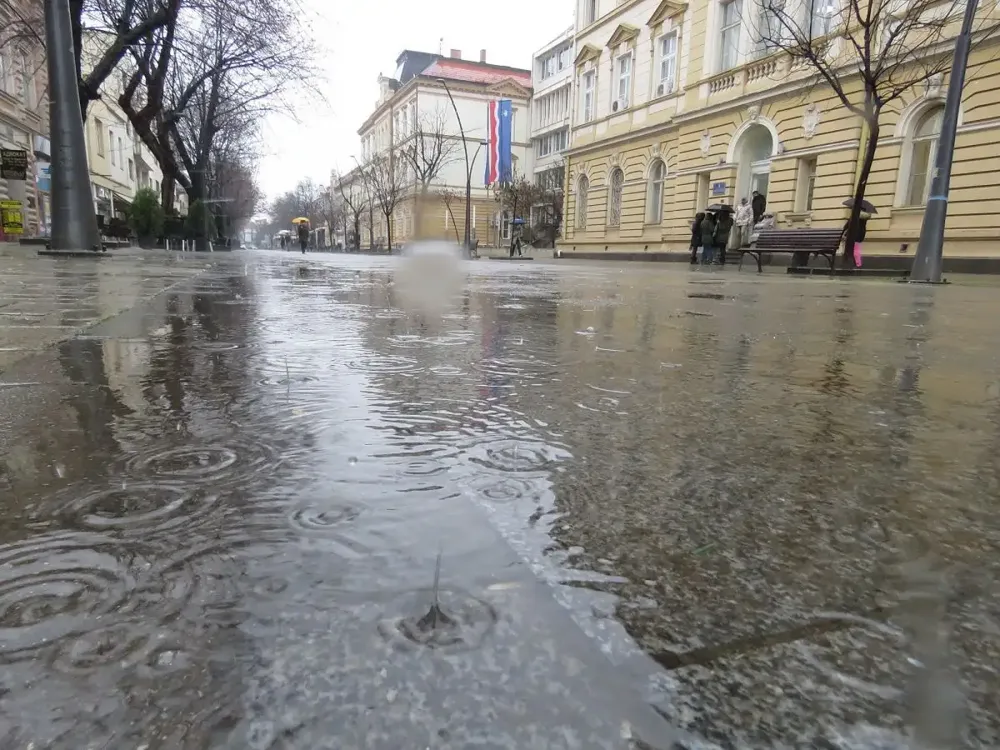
371,228
871,146
167,189
388,233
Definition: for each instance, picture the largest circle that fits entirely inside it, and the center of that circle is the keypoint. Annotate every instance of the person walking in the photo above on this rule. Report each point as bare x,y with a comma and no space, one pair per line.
859,237
696,235
304,236
707,239
744,223
723,230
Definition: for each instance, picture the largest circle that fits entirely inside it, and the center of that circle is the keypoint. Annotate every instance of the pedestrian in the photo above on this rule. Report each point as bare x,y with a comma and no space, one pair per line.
723,231
759,205
744,223
304,236
707,238
859,236
696,235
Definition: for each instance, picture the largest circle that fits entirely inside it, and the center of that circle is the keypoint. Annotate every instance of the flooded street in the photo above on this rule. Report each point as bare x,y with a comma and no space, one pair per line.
671,508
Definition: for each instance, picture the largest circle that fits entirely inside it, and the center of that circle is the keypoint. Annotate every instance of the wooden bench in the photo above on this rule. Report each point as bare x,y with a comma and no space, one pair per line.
824,242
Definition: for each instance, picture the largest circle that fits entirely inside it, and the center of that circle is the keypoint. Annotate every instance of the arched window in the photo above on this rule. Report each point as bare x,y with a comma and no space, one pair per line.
923,154
654,192
616,184
582,189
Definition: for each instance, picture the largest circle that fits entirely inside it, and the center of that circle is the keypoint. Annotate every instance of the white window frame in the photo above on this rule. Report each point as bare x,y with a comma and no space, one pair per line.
589,89
99,129
819,17
654,192
506,222
733,27
623,80
111,147
616,196
768,27
805,183
582,199
590,11
668,77
912,141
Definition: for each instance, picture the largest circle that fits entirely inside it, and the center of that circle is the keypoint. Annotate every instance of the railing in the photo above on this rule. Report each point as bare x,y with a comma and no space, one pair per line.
770,67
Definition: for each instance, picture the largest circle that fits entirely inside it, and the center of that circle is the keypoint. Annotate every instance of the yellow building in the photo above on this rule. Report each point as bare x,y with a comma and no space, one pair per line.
441,98
681,105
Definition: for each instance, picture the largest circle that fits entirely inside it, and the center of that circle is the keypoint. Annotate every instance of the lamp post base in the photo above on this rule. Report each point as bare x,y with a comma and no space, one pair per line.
80,253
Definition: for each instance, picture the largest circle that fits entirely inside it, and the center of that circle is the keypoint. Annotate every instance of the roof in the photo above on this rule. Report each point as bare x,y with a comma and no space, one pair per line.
473,72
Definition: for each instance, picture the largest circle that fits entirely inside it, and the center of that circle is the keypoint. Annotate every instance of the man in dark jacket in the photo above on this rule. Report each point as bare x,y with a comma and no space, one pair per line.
759,205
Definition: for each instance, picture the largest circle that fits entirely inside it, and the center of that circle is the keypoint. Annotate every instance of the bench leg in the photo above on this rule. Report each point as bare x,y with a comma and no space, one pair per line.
833,259
740,266
757,257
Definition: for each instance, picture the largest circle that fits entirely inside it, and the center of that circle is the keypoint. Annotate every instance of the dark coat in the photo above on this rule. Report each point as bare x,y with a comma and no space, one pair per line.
708,232
695,234
758,204
722,229
303,233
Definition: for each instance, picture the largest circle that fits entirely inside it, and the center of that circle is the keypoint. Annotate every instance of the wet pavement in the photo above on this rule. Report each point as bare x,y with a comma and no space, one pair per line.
671,508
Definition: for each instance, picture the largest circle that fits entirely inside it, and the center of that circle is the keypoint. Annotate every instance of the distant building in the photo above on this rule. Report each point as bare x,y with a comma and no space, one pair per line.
551,107
414,103
551,110
24,122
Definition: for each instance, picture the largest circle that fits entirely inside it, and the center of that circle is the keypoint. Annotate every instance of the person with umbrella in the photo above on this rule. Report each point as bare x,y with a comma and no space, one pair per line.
707,238
723,229
867,209
303,232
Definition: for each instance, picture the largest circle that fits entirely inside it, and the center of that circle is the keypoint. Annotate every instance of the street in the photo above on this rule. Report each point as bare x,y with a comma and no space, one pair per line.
666,507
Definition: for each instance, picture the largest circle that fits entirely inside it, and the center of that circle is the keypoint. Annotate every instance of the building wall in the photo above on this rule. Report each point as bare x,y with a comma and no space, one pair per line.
711,128
552,100
24,125
426,103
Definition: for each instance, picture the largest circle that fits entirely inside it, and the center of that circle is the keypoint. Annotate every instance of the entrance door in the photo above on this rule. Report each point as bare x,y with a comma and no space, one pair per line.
760,176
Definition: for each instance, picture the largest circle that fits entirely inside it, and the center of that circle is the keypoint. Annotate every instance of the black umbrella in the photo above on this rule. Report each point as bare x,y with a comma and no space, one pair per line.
719,207
865,205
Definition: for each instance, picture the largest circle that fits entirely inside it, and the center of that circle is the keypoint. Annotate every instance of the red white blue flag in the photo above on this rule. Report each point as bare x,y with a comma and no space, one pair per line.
499,136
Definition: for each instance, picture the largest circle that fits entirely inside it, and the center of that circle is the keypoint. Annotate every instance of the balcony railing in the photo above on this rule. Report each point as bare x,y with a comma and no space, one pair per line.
752,74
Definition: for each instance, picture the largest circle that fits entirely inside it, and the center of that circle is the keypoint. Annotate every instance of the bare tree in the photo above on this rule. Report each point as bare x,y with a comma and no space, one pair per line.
429,149
387,182
333,211
115,25
449,198
518,195
886,46
214,64
355,201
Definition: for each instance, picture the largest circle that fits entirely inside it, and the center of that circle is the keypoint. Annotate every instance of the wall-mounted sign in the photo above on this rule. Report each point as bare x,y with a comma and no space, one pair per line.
718,188
12,217
13,164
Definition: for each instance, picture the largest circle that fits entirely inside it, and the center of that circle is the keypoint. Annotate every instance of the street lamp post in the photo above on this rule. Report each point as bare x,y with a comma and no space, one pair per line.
74,221
468,169
927,262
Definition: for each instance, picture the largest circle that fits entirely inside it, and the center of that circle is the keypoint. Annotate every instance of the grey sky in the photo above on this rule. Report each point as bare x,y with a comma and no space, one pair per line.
361,39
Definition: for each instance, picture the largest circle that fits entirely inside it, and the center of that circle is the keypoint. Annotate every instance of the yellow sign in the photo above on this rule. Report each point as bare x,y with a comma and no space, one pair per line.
13,217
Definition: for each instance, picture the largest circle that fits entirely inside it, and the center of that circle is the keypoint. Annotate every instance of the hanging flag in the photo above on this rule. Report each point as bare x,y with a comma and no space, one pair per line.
499,136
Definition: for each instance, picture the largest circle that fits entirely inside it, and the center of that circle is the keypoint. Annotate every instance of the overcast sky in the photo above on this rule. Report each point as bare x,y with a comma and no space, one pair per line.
361,39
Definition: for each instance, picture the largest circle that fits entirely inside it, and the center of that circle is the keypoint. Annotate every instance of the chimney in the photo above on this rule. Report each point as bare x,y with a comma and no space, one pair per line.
456,54
482,55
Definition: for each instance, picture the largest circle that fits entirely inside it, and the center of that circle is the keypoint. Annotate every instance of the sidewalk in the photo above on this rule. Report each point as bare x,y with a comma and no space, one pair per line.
45,300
